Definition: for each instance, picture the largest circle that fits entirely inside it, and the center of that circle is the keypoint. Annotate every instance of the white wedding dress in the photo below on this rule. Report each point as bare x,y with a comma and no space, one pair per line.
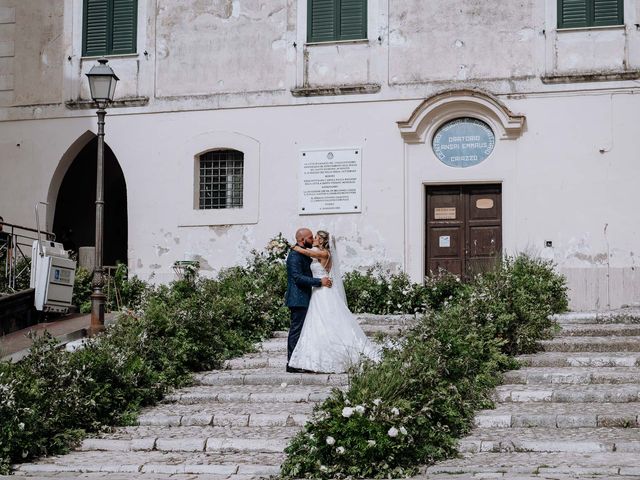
331,340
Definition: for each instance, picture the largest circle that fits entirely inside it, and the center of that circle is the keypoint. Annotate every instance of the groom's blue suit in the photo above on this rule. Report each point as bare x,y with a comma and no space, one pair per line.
299,283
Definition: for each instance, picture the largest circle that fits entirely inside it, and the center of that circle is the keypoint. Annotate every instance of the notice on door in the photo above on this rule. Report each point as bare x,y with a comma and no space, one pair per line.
330,181
444,213
444,241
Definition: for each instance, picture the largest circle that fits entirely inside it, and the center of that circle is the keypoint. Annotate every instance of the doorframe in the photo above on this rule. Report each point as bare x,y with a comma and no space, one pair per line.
423,213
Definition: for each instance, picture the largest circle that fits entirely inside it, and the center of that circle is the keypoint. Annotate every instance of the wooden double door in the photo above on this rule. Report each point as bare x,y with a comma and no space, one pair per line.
463,228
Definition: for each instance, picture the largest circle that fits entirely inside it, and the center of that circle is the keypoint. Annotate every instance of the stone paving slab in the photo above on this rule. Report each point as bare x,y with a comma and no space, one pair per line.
159,463
600,330
591,344
228,414
524,463
129,433
622,315
249,393
259,360
573,375
559,415
568,393
273,377
581,359
577,440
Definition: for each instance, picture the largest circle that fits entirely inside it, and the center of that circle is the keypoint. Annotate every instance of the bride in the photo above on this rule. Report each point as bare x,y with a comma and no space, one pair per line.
331,340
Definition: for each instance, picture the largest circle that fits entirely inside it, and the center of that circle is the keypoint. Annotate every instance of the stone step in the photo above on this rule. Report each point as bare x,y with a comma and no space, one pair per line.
402,320
193,439
601,330
269,377
227,414
592,344
568,393
572,375
258,360
250,394
159,463
578,440
625,315
392,330
580,359
541,465
560,415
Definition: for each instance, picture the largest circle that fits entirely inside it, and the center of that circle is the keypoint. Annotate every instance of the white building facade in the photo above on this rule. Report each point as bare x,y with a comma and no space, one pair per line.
458,129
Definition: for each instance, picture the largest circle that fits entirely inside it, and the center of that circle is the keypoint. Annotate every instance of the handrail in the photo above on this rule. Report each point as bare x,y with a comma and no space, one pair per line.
51,235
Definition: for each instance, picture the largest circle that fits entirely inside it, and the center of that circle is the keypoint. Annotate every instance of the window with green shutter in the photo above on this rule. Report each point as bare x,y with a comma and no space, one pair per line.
589,13
109,27
333,20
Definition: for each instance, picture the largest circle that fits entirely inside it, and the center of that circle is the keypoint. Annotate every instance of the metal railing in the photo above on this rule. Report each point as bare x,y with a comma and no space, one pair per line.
15,252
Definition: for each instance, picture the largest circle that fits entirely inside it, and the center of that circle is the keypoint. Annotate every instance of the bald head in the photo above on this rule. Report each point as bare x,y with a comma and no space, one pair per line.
304,237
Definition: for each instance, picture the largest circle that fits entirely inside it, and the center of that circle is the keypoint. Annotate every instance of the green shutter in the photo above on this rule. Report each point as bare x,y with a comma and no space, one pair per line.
124,26
96,27
589,13
331,20
353,19
322,21
607,12
573,13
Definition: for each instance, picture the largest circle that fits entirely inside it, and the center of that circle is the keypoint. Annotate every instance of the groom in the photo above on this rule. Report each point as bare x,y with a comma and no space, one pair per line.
299,283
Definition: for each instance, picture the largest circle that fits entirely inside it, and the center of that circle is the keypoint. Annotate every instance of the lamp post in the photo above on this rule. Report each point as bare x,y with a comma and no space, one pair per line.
102,82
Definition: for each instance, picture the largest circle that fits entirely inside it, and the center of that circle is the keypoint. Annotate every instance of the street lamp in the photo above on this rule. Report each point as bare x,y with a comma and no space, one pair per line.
102,82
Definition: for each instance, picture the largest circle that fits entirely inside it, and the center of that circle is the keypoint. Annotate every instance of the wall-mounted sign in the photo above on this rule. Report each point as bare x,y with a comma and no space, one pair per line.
463,142
330,181
444,241
444,213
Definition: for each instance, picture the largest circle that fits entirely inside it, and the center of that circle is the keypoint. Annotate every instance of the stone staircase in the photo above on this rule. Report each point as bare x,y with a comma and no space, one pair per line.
572,411
232,424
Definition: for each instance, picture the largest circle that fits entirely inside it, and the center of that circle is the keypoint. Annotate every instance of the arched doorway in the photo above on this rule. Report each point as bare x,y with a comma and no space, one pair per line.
75,208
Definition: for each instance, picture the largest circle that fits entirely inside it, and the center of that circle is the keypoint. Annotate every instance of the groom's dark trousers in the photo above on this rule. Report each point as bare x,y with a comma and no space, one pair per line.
299,283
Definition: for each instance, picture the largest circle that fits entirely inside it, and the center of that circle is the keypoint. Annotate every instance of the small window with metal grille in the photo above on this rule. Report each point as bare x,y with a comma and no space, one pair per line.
221,179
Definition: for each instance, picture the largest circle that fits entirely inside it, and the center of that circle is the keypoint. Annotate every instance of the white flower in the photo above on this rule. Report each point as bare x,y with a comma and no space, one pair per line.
360,409
395,411
393,432
331,440
340,450
403,430
21,426
323,468
347,412
371,443
377,401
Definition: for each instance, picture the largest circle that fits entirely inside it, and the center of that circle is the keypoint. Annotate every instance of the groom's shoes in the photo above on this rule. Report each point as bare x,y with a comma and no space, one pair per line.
294,370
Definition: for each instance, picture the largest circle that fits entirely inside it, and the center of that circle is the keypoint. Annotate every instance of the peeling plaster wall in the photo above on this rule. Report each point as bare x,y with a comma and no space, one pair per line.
38,60
227,67
459,39
206,47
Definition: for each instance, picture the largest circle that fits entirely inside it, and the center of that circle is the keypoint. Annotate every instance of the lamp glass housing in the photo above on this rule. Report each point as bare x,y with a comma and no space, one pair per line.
102,82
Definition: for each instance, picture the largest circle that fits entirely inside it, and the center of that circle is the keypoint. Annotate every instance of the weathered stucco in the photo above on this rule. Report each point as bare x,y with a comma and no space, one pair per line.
460,39
39,52
220,74
205,47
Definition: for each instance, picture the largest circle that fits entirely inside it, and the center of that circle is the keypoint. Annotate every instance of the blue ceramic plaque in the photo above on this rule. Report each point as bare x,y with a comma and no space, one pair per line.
463,142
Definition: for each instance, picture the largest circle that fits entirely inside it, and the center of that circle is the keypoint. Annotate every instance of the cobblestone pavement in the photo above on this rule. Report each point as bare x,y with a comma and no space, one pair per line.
572,411
232,424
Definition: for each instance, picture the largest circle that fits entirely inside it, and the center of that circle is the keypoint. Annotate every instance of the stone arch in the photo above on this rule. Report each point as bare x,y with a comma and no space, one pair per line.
435,111
71,198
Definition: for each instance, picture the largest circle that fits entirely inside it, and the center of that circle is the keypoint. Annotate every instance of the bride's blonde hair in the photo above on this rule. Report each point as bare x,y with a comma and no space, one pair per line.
323,237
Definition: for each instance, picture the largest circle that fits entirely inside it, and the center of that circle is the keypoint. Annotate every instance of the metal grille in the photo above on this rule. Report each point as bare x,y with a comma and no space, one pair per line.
221,173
